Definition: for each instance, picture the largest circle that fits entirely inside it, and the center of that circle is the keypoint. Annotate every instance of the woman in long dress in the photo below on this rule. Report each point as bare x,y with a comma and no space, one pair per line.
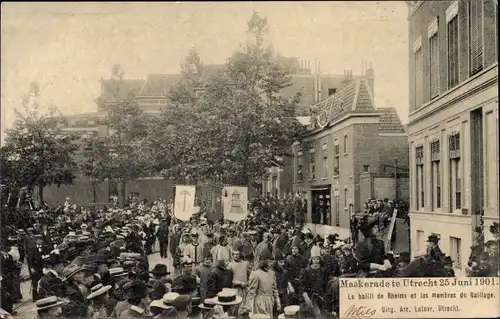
262,294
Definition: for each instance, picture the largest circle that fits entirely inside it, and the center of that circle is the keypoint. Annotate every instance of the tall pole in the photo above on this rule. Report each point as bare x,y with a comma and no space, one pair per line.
396,177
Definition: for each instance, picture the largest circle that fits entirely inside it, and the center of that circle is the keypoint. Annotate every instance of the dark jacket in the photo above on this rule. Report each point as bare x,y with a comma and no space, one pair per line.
367,252
217,280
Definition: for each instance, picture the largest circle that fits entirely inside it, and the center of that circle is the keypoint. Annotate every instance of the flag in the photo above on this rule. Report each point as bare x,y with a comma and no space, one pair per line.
235,204
184,201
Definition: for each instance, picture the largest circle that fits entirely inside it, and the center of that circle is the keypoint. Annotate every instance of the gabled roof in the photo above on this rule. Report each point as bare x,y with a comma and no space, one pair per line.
389,121
159,84
355,97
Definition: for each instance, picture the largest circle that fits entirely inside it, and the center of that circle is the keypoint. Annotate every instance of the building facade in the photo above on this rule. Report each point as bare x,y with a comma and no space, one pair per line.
453,122
315,87
343,158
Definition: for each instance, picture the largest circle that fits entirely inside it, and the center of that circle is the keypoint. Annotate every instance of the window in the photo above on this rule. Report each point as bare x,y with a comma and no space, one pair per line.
436,175
418,72
346,199
455,245
336,160
332,91
475,36
366,168
325,167
455,172
313,167
433,59
345,144
420,177
300,175
452,30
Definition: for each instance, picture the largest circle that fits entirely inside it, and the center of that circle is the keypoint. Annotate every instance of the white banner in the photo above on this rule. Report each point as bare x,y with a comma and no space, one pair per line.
184,201
235,204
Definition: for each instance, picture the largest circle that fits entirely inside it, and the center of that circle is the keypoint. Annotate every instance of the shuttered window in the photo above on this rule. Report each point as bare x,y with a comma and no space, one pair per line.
434,65
475,36
436,174
455,168
453,65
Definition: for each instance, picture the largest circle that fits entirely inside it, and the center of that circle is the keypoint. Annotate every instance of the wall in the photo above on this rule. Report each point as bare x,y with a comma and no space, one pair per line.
377,187
445,225
81,191
384,187
418,24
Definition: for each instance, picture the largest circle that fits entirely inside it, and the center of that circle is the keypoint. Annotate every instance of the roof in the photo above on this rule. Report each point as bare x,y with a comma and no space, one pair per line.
124,88
159,84
389,121
355,97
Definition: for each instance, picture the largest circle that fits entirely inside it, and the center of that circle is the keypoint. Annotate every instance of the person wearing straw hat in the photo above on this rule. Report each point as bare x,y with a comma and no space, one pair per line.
226,303
207,308
262,294
49,307
98,297
160,310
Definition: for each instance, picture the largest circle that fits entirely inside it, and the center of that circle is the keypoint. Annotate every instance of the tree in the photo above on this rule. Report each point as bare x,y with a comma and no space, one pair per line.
123,155
192,74
239,126
36,152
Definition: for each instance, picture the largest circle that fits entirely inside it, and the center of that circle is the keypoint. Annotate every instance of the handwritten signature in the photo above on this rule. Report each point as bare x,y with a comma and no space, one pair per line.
359,312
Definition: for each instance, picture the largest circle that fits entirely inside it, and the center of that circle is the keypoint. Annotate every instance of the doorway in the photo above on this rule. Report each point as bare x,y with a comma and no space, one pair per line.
321,206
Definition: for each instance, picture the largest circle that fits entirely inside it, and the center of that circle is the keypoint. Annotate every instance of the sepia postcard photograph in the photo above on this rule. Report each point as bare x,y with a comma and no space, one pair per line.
254,160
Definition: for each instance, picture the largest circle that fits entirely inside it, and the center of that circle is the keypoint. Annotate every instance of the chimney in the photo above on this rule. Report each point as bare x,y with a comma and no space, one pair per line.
370,77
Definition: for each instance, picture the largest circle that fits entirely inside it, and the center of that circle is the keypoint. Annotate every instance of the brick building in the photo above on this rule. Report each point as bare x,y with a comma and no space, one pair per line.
315,87
453,122
348,156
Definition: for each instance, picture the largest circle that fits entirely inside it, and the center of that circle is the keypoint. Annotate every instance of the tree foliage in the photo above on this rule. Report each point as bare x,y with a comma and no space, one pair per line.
37,152
239,125
192,72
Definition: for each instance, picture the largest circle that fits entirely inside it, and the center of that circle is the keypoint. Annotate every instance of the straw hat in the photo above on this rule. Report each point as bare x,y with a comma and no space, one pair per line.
289,312
169,298
227,297
47,303
160,304
98,290
207,304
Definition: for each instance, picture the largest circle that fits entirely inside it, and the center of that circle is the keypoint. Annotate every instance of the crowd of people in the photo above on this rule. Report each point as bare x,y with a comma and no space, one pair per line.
92,262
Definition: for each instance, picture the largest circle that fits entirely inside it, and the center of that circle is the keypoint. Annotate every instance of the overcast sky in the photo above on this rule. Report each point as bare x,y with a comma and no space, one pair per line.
68,47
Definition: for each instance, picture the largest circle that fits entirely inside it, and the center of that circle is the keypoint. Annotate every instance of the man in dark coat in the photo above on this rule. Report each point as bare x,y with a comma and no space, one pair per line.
219,278
370,252
162,235
186,283
159,282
